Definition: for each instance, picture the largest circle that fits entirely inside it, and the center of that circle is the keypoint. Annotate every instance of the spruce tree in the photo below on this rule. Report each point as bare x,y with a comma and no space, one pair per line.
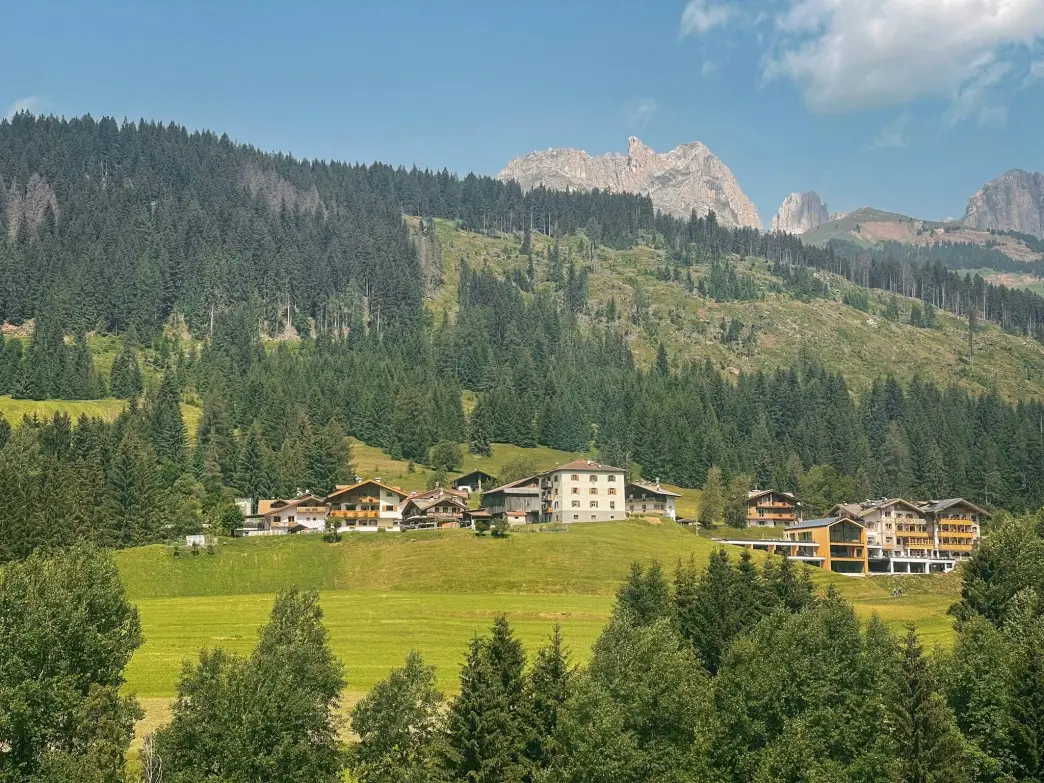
645,596
928,744
479,431
125,375
712,498
551,683
487,723
166,427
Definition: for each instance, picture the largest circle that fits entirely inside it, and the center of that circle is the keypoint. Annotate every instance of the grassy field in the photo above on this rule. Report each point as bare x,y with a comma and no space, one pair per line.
108,409
384,594
862,346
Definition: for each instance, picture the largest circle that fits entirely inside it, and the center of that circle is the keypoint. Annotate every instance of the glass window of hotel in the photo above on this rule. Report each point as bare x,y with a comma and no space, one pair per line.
574,477
612,504
593,491
576,504
594,477
594,504
575,491
612,477
576,516
612,490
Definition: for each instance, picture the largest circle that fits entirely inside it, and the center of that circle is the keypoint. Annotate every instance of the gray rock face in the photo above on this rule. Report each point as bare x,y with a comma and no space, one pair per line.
800,212
687,178
1011,202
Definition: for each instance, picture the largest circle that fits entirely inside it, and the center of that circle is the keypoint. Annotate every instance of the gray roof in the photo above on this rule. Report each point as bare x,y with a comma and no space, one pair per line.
826,522
655,489
935,506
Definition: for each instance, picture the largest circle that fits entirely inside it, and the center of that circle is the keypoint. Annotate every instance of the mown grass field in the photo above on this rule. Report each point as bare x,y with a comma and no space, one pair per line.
384,594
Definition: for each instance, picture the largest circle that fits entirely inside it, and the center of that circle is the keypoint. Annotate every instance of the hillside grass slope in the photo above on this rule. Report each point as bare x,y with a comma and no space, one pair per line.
863,346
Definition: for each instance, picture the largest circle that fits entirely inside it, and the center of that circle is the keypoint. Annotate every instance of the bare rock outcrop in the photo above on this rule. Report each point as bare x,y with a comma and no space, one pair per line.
1012,202
800,212
687,178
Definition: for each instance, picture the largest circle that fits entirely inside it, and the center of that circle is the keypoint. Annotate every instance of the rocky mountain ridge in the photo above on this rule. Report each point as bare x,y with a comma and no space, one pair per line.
687,178
800,213
1014,201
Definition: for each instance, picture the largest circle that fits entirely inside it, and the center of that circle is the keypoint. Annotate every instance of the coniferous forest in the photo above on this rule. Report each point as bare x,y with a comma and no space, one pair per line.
149,232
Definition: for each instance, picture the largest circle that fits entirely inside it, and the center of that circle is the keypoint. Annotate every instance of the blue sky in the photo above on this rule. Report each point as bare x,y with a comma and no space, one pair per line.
907,105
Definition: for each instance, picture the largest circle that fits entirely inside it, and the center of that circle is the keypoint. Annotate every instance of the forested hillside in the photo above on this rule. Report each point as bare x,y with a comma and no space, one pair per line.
293,303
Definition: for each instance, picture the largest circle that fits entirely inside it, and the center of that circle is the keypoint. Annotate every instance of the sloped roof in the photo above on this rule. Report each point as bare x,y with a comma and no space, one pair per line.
865,507
825,522
267,507
588,465
757,493
424,503
656,489
474,473
523,484
935,506
340,490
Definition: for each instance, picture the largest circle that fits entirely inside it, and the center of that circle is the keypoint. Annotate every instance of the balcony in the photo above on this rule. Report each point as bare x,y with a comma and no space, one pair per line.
789,506
954,546
311,509
966,534
915,542
338,514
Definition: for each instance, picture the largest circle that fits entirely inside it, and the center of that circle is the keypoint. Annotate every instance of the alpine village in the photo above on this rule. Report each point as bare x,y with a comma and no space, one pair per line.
330,472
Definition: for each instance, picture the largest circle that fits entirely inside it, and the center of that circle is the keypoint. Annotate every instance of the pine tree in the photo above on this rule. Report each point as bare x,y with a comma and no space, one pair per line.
329,458
551,683
645,596
663,368
479,431
486,724
166,427
125,375
928,743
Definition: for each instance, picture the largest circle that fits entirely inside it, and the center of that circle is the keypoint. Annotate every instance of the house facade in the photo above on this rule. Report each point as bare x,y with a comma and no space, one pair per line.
583,491
305,513
837,543
769,508
474,481
519,501
646,498
436,508
908,537
366,505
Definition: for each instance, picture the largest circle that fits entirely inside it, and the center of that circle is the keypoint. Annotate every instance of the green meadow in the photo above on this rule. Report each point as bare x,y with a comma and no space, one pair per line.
385,594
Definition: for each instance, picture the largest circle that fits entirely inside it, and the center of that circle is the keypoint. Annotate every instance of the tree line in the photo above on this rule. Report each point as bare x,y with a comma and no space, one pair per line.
727,671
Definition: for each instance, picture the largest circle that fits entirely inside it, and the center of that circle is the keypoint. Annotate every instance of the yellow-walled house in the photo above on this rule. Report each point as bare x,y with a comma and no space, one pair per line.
838,542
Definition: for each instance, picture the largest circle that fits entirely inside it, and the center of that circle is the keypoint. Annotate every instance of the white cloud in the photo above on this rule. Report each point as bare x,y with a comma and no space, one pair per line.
975,97
700,16
708,68
853,54
893,135
32,104
642,112
850,55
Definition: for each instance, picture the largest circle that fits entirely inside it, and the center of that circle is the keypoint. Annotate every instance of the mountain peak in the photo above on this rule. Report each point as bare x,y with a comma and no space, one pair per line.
687,178
800,213
1014,201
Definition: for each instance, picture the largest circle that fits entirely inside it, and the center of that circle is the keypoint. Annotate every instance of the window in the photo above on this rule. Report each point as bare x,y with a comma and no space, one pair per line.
593,491
594,504
574,477
576,504
574,490
612,490
612,504
611,478
594,477
576,516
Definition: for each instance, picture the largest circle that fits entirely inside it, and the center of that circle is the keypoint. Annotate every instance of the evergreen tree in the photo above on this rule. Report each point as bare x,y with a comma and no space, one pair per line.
125,375
166,427
645,596
662,365
551,683
479,431
487,723
736,501
928,743
329,458
399,725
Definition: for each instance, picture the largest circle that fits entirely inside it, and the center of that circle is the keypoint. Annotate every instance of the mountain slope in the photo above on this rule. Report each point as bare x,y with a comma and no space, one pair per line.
861,345
687,178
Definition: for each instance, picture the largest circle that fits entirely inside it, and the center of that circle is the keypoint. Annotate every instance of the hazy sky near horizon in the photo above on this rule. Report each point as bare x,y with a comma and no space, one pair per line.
904,105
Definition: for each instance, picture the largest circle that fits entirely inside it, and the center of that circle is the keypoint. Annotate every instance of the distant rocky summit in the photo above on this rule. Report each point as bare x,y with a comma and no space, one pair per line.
1012,202
687,178
799,213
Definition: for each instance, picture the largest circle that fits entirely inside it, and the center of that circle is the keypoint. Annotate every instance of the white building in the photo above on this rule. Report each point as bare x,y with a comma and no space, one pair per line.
583,491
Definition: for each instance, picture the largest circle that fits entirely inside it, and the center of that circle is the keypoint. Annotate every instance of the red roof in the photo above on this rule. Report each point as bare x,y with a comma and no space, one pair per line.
588,465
